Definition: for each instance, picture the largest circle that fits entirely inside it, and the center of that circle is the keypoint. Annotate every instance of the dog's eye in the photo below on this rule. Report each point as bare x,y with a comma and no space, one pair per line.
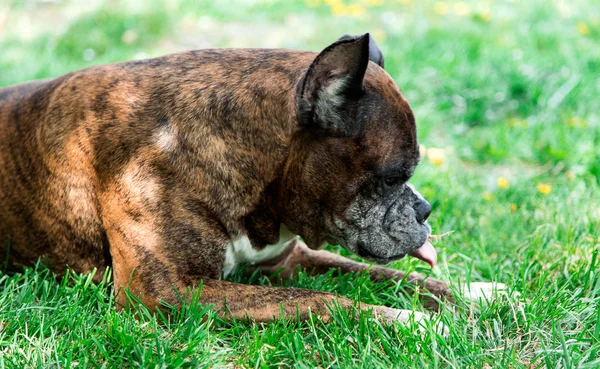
392,181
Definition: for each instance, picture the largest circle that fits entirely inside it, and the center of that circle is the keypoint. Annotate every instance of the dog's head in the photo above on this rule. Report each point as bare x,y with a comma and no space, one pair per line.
346,180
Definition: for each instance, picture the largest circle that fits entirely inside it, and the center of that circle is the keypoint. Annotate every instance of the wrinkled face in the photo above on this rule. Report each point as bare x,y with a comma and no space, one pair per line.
383,224
385,218
368,206
347,180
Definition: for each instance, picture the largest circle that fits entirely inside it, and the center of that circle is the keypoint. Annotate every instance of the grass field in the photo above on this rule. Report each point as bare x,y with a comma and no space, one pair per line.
506,96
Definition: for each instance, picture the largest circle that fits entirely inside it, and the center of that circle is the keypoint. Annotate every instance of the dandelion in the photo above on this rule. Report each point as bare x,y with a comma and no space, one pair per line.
355,10
487,196
544,188
462,9
503,183
441,7
517,122
485,15
577,122
513,208
583,28
313,3
338,9
570,175
373,2
436,156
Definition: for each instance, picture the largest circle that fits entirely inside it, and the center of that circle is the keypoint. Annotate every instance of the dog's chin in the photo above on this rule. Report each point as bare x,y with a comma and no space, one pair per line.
424,251
366,254
382,260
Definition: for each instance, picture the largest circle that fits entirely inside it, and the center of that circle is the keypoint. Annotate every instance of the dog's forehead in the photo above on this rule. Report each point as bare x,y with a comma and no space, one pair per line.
391,152
390,131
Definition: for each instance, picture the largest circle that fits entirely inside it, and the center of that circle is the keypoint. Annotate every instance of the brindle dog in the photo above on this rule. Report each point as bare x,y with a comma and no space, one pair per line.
174,170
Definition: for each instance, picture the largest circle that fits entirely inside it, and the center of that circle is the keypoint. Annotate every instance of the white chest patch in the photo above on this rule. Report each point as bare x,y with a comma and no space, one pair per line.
241,251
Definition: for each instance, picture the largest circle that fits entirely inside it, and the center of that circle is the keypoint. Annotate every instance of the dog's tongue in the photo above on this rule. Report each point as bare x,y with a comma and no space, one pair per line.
426,253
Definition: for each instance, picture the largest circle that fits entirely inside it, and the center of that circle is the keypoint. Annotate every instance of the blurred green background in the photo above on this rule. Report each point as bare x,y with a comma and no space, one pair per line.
506,97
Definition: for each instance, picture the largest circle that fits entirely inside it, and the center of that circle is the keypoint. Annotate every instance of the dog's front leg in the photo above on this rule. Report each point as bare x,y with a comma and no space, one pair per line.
162,240
320,261
264,304
152,278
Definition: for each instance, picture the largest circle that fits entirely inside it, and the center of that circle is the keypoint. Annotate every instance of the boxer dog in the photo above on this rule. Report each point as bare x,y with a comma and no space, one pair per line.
173,171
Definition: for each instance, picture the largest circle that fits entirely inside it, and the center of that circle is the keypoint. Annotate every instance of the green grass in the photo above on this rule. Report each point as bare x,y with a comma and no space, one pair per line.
508,91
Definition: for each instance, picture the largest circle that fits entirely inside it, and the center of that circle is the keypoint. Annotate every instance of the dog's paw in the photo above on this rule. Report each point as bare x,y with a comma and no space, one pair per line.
484,291
421,320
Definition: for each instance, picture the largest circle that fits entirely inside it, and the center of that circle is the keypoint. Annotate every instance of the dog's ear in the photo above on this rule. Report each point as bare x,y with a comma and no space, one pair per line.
328,91
375,54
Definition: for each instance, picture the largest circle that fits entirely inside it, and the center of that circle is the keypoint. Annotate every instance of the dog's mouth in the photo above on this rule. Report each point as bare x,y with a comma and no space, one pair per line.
425,253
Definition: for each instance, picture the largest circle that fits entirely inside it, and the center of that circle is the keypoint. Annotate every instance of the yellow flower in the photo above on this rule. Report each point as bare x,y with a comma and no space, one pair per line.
422,150
570,175
544,188
333,2
379,35
487,196
583,28
312,3
485,15
577,122
338,9
441,7
517,122
436,156
355,10
373,2
513,207
503,183
462,9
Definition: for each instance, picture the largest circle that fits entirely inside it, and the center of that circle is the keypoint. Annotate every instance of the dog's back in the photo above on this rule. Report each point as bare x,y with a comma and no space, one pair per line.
62,140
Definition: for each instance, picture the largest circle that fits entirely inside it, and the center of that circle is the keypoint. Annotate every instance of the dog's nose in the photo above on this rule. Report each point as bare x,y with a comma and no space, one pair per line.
423,210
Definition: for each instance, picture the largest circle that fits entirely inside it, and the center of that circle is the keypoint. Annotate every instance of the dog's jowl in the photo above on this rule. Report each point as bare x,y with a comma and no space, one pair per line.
174,170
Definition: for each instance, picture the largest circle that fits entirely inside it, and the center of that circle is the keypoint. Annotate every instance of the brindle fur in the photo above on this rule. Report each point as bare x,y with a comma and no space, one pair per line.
152,166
